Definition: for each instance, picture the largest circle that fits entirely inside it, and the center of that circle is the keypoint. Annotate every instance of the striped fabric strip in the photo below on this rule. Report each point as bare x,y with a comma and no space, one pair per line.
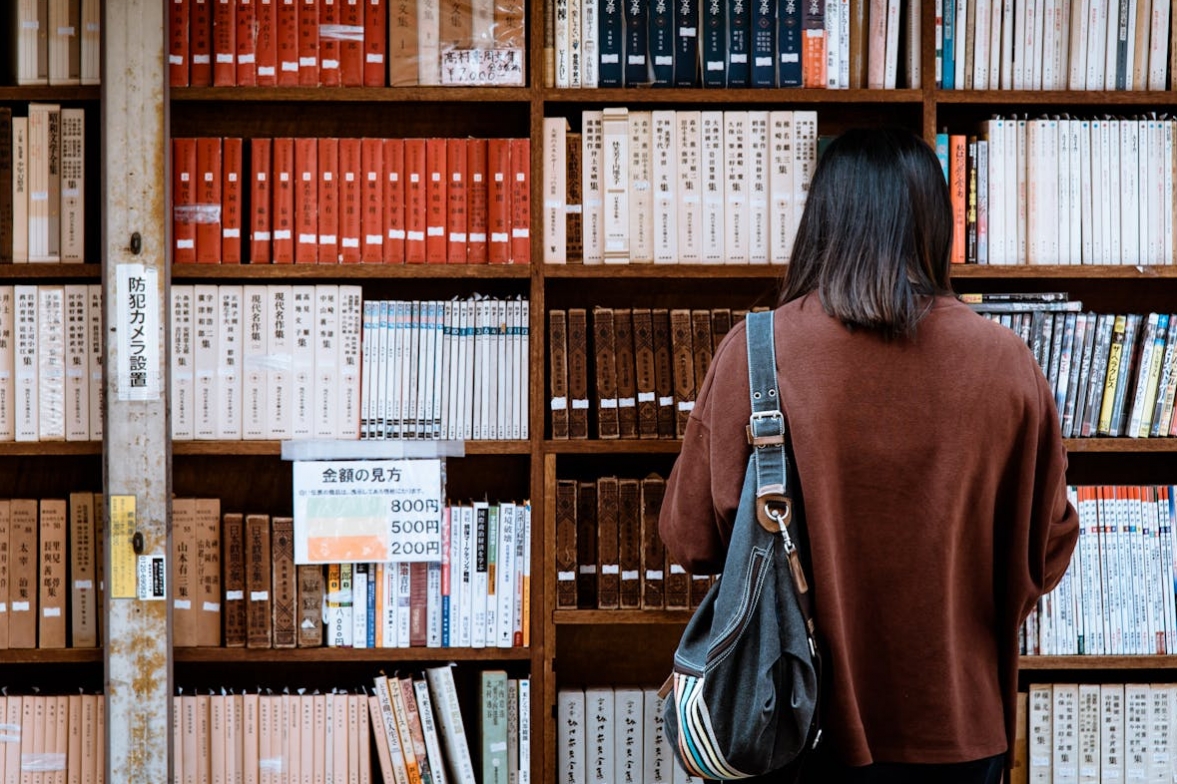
698,746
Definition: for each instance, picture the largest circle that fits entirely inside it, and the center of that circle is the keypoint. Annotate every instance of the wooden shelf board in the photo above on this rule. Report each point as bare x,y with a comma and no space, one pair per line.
332,655
1071,271
619,617
1121,445
42,272
345,271
656,271
50,93
1097,662
49,448
700,95
51,656
275,448
353,94
1038,97
604,447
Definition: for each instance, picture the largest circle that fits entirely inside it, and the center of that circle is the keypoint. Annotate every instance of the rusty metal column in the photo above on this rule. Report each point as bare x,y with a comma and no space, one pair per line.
137,473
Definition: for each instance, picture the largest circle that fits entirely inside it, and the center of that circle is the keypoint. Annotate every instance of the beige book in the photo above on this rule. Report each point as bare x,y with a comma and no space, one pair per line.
203,738
25,362
388,724
233,739
31,709
216,739
306,746
376,720
191,746
91,41
47,740
77,370
95,357
83,592
22,586
61,748
364,728
20,189
13,739
52,575
73,183
91,739
340,735
65,42
206,599
50,367
5,574
100,746
319,734
265,739
177,739
401,715
184,572
9,737
7,363
353,739
250,706
293,734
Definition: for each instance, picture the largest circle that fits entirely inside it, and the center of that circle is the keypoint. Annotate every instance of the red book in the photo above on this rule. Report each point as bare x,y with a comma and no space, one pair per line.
287,28
958,190
266,43
329,201
260,207
418,604
498,213
456,162
351,48
247,33
476,212
308,43
231,186
208,200
329,42
372,201
415,195
520,201
200,43
178,43
283,178
224,43
435,201
375,42
306,201
183,200
394,201
350,184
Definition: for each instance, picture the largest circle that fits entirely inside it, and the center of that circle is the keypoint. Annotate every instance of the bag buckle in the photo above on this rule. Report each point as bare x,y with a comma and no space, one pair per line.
758,441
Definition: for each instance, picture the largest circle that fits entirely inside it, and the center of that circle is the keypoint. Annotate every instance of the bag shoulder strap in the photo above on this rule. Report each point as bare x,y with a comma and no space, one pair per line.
766,435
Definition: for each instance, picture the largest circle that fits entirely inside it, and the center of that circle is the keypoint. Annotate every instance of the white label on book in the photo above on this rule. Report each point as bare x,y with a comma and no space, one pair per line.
266,70
308,239
608,402
457,236
666,401
282,234
351,242
565,576
329,65
653,574
327,239
307,62
234,596
328,176
396,234
261,236
629,574
763,62
588,568
373,239
610,569
51,612
686,32
646,397
290,65
39,196
739,58
521,233
713,65
245,59
20,606
791,57
663,60
225,58
231,233
637,59
572,209
175,59
211,607
677,569
477,236
65,31
498,236
625,402
559,403
610,58
74,192
580,403
435,231
259,596
374,58
1040,761
83,585
201,59
686,405
182,604
497,747
416,236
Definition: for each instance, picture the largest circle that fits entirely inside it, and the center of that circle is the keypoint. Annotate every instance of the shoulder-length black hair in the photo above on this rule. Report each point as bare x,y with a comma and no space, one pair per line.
876,234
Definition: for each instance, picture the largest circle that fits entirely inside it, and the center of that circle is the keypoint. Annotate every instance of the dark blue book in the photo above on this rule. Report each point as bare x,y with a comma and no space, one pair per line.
714,44
637,42
763,43
662,42
371,600
739,33
686,43
611,32
789,42
948,75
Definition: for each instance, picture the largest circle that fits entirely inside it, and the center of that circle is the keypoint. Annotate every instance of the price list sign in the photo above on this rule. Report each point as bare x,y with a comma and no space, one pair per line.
357,511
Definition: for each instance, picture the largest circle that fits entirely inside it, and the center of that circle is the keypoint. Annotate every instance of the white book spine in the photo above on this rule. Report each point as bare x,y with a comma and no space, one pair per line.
1159,731
591,187
891,51
469,553
589,19
805,149
1087,736
1041,733
96,358
1136,721
1007,45
759,231
73,183
277,362
77,370
629,714
388,574
714,185
254,348
615,190
449,721
571,736
20,189
657,756
563,45
600,723
1097,19
228,354
326,362
780,186
369,343
27,398
665,185
1065,762
980,64
555,190
736,216
204,361
641,202
428,43
834,42
524,365
350,318
575,45
505,572
427,715
302,370
8,364
688,187
183,391
524,776
51,363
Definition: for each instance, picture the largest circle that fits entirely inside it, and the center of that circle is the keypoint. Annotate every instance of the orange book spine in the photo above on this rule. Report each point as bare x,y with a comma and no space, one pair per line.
375,42
457,196
282,179
957,183
265,43
328,201
329,75
435,201
306,201
372,201
183,200
351,48
286,41
415,224
247,31
394,201
520,201
308,43
224,43
350,184
208,200
178,12
200,45
261,207
231,200
476,204
498,155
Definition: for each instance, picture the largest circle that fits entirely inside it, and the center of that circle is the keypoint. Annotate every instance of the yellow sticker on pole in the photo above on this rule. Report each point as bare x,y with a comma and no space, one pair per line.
123,567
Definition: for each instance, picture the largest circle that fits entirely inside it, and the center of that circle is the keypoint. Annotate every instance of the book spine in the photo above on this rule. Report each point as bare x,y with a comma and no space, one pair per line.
610,36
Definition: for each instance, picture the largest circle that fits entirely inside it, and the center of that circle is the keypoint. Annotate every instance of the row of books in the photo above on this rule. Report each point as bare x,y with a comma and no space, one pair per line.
606,733
1062,191
344,43
53,42
424,737
42,184
608,552
1048,45
1097,732
454,370
53,738
683,187
51,572
638,373
265,362
1117,595
1112,375
51,358
730,43
348,201
235,584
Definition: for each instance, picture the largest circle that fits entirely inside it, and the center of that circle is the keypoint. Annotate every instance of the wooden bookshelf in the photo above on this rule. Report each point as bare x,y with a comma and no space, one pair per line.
280,656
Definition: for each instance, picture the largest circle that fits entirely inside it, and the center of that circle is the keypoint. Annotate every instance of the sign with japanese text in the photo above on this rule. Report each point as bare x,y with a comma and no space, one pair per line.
139,367
349,511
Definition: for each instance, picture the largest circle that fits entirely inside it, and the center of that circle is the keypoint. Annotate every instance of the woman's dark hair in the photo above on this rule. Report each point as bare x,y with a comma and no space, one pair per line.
876,235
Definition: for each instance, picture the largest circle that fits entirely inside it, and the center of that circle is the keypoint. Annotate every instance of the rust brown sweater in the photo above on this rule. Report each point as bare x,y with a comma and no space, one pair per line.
932,472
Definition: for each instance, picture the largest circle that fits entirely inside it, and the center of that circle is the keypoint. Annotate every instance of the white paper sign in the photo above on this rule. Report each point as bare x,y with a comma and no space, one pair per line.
482,67
356,511
138,363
